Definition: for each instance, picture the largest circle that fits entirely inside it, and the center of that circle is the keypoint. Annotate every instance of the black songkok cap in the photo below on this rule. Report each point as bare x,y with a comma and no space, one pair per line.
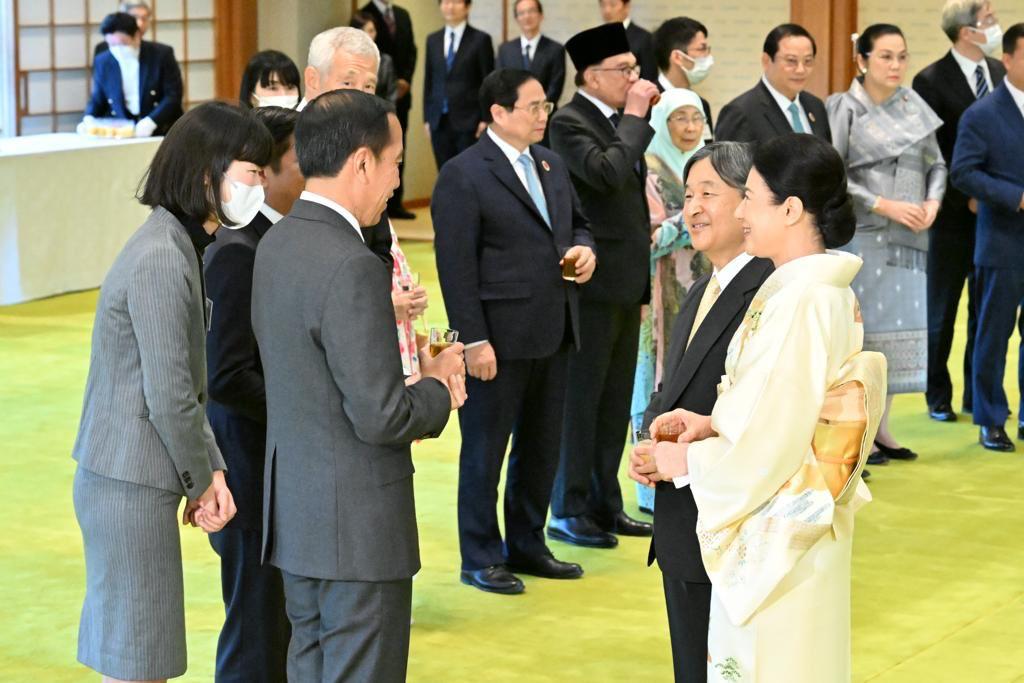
594,45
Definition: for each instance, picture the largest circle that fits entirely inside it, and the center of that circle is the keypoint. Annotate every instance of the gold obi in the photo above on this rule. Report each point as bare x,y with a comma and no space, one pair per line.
839,434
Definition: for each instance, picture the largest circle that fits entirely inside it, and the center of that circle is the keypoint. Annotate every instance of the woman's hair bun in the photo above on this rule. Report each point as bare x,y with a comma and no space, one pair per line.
837,221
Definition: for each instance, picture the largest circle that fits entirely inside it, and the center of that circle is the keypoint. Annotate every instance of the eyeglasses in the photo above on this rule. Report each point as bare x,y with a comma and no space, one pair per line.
888,58
683,119
990,20
793,63
534,109
626,71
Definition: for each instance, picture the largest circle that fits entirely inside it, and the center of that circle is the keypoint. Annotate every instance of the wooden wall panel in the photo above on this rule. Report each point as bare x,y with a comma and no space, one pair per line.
235,44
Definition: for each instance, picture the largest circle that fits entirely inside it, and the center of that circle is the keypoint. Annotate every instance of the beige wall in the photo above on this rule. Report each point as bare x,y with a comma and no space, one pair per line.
289,25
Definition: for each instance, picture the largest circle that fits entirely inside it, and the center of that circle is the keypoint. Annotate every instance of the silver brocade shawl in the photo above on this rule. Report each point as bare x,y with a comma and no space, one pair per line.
886,130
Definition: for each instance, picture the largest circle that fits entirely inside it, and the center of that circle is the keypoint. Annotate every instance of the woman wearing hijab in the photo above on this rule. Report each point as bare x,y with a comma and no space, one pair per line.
678,121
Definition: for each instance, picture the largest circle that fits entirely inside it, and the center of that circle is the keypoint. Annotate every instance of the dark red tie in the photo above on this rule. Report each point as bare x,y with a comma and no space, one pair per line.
389,20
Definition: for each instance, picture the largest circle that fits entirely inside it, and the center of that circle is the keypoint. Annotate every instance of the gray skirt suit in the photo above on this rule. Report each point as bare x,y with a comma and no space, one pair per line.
143,443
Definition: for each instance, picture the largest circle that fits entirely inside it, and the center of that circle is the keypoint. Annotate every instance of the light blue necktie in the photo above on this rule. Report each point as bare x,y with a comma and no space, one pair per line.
533,185
794,115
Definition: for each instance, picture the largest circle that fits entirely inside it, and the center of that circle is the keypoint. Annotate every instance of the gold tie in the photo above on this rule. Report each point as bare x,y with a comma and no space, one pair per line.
708,300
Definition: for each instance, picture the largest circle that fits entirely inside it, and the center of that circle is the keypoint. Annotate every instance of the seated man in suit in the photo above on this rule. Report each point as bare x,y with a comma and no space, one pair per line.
641,44
778,104
459,57
536,53
602,135
949,86
339,518
715,177
135,79
254,639
504,215
988,164
684,58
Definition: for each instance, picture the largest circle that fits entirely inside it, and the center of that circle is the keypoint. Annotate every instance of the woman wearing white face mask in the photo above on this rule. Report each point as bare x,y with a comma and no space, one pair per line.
271,79
684,59
144,440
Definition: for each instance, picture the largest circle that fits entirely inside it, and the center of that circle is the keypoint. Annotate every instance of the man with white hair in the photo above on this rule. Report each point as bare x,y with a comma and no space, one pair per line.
345,58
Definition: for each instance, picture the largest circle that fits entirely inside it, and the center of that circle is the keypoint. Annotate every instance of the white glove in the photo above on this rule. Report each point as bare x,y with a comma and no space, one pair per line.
85,123
145,128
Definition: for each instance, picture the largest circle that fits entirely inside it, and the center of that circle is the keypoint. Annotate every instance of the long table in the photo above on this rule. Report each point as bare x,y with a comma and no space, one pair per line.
67,207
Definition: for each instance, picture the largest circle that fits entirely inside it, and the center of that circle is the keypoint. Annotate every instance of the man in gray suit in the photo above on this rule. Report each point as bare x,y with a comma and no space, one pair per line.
339,517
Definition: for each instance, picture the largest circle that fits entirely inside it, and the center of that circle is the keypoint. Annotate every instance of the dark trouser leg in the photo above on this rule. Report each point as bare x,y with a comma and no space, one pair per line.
402,111
302,602
689,608
442,139
950,262
533,459
587,369
999,291
613,415
485,424
253,643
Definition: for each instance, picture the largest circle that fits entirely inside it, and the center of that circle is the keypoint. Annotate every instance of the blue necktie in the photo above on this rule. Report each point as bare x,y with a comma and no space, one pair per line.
533,184
526,58
980,82
449,59
794,115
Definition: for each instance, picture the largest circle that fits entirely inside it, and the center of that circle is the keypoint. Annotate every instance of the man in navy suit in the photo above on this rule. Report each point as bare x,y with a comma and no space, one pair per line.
459,57
949,86
988,164
135,79
253,643
536,53
505,214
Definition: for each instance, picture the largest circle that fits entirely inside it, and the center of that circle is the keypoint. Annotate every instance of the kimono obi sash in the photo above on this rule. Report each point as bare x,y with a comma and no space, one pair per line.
749,558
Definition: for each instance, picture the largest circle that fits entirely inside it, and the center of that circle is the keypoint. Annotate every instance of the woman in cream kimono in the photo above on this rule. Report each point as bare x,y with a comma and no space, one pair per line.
775,469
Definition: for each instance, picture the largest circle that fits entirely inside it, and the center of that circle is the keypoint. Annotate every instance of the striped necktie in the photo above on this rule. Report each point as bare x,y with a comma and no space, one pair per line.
980,82
707,300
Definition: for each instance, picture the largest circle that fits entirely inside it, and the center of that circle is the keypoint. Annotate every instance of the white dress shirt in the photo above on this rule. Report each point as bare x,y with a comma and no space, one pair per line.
129,83
335,206
383,6
784,103
458,30
532,43
513,155
272,214
606,110
724,277
1017,94
969,66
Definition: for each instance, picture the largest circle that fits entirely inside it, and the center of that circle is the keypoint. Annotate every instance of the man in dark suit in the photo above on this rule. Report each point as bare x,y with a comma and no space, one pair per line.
504,215
949,86
459,57
395,38
135,79
339,519
641,44
694,365
988,165
604,150
253,642
778,104
684,59
536,53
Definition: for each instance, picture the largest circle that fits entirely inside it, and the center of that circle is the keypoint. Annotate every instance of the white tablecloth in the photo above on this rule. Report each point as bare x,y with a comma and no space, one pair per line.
67,207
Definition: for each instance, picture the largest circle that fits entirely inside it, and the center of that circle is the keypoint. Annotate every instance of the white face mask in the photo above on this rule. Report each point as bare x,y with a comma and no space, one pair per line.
286,101
244,204
124,53
993,39
701,68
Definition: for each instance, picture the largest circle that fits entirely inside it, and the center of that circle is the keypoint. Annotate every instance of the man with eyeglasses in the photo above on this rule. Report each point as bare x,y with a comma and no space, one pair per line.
602,135
684,59
505,214
778,104
952,84
533,52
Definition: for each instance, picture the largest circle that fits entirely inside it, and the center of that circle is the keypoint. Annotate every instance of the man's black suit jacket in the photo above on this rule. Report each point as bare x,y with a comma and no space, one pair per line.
755,116
641,44
160,89
496,257
473,61
944,88
691,382
548,64
401,46
238,402
609,173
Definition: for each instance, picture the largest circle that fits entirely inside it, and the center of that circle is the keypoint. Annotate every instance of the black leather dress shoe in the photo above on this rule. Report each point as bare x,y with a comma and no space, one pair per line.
878,458
1020,430
580,531
942,412
545,566
494,579
895,453
401,214
624,525
995,439
864,474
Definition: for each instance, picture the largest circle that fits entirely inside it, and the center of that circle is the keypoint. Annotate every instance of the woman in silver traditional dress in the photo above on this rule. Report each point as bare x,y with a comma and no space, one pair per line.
886,134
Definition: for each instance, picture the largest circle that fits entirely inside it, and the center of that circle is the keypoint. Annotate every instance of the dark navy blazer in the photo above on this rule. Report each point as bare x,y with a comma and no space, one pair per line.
160,89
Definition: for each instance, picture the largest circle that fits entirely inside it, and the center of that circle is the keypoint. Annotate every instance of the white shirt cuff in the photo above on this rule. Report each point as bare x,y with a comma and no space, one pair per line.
476,343
681,481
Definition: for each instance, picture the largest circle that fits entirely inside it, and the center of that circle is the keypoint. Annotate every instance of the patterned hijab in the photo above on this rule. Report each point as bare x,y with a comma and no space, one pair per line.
661,145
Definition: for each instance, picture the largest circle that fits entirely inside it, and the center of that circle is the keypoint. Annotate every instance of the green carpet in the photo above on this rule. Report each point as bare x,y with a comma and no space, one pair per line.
938,590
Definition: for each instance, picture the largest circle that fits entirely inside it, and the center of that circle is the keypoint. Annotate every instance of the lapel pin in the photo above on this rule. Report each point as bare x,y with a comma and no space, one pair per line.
811,117
545,165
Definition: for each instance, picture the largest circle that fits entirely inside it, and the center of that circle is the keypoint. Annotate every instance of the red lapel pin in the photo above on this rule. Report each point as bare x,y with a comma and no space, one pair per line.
545,165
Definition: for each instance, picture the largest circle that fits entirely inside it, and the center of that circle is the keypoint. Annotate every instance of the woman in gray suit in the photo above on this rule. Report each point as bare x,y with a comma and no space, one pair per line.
144,440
